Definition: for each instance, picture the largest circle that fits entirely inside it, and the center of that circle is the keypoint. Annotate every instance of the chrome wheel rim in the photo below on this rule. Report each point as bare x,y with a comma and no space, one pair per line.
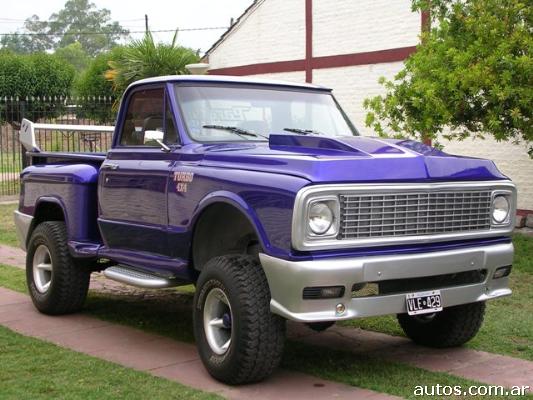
42,269
218,321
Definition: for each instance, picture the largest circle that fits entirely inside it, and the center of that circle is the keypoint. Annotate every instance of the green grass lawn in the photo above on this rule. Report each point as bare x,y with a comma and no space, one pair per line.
7,225
34,369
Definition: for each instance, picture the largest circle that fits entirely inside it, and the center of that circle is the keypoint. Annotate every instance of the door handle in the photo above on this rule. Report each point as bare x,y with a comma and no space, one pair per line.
108,165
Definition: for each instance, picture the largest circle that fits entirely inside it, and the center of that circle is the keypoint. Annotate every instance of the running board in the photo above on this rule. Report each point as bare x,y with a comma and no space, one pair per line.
141,279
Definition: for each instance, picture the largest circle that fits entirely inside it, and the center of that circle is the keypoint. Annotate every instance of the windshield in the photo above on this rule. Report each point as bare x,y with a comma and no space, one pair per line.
225,113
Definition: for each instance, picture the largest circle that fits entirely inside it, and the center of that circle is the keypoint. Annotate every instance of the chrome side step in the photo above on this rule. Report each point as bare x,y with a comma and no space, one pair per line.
138,278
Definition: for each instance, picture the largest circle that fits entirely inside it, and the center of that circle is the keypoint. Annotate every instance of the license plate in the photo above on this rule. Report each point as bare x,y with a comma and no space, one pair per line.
423,302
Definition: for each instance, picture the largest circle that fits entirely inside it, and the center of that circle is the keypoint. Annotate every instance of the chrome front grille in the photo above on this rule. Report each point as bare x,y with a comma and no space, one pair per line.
417,213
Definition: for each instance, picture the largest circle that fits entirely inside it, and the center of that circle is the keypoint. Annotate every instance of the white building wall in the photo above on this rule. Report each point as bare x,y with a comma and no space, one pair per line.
351,85
273,31
344,27
297,76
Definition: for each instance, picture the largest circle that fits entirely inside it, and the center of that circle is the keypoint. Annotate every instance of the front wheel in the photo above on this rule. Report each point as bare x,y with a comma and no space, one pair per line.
57,284
238,338
451,327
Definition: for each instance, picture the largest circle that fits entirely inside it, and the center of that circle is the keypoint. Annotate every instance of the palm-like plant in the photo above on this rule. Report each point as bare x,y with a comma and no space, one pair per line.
145,58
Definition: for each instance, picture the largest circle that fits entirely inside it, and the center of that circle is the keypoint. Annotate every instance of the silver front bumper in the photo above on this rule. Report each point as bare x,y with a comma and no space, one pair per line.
287,279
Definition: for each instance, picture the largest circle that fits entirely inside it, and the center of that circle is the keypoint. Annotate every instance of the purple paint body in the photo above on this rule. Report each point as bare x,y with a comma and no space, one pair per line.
135,214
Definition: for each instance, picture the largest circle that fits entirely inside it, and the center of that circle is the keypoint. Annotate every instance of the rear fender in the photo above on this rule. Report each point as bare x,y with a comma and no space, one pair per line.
40,214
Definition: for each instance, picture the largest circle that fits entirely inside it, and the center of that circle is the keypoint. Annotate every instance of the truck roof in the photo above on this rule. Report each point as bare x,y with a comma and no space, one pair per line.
226,79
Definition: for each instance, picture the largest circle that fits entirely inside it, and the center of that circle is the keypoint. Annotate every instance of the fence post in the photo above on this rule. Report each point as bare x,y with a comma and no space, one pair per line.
23,157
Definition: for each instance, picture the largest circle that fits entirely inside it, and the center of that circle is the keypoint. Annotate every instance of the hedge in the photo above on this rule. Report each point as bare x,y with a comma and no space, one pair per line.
33,78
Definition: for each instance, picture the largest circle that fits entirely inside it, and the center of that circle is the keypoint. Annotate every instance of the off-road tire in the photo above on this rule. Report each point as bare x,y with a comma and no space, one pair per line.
69,280
257,335
451,327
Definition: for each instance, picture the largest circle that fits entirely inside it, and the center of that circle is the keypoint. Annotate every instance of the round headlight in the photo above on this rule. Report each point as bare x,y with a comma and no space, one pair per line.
320,218
500,209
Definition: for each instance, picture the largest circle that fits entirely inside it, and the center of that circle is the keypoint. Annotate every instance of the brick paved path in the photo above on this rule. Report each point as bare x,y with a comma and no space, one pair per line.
12,256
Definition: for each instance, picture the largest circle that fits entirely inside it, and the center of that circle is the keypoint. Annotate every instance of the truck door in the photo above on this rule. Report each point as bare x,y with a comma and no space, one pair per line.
132,188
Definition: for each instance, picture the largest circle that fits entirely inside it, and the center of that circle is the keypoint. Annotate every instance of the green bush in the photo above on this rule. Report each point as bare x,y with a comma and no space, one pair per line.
37,79
472,73
15,75
92,85
51,76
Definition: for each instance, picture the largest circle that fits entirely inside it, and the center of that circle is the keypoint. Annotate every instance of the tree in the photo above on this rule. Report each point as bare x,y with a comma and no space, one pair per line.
78,22
34,38
144,58
472,73
74,55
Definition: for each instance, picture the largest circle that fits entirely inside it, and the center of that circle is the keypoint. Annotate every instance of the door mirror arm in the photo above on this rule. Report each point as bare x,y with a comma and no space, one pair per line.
164,147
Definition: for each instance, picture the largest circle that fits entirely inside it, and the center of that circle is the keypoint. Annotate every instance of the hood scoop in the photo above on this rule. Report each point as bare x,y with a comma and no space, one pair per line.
305,143
341,145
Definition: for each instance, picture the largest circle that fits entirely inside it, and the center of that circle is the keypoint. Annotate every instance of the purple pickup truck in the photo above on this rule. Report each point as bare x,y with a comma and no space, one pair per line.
264,196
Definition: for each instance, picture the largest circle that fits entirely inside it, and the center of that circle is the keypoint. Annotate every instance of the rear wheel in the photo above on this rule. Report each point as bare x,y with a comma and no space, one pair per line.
57,284
238,338
451,327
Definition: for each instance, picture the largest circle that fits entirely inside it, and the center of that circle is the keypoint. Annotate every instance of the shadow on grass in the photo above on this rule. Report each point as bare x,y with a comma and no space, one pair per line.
167,313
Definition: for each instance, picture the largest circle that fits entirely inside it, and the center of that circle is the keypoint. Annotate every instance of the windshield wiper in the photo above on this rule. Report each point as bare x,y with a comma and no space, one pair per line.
302,131
234,129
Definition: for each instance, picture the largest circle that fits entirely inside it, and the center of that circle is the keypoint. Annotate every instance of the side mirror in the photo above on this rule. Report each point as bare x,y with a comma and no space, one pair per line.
152,136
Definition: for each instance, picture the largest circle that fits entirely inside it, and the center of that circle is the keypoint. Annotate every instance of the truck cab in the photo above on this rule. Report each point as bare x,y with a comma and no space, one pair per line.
264,195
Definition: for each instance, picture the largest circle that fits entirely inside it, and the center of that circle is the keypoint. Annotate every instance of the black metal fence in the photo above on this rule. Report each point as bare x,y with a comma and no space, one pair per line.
70,110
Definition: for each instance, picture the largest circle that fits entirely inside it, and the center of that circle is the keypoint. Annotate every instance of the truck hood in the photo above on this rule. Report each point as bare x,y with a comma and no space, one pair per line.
347,159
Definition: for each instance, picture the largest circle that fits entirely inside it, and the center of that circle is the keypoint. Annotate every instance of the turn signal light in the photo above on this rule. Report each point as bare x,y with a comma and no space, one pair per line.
502,272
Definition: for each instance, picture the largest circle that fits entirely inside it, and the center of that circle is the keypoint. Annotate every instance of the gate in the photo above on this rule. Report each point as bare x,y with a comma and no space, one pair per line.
57,110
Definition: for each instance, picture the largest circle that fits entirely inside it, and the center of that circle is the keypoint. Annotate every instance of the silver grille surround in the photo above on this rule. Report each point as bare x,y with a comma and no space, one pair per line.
388,214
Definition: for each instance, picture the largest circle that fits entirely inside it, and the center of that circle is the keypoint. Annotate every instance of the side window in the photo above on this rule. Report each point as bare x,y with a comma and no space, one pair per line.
144,119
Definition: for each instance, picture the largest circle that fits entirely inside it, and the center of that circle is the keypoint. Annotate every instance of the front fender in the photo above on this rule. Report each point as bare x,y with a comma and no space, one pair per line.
233,199
265,199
